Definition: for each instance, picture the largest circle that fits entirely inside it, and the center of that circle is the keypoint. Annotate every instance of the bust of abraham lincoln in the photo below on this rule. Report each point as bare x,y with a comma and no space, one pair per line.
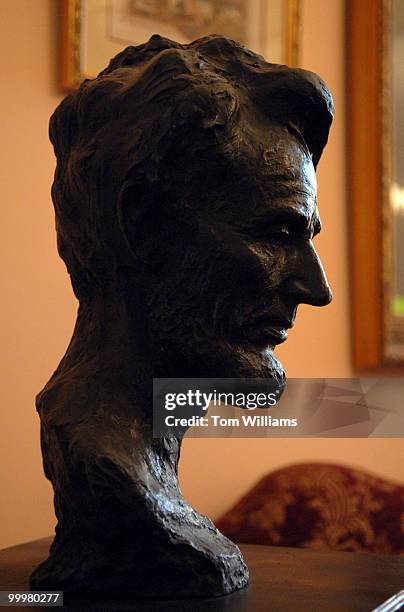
185,200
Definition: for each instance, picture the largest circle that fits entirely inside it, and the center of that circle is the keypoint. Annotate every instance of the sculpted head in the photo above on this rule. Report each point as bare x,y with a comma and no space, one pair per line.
185,184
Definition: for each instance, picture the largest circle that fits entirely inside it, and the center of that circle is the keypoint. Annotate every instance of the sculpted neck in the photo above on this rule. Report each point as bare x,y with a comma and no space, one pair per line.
110,340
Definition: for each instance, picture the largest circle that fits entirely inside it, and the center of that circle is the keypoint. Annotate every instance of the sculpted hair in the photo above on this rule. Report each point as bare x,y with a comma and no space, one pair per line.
115,136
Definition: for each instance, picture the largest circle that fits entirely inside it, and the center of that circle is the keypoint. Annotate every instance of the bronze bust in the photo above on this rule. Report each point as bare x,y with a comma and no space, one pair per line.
185,200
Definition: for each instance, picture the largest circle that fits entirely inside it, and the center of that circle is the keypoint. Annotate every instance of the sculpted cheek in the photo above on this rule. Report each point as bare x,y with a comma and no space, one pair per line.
225,258
271,259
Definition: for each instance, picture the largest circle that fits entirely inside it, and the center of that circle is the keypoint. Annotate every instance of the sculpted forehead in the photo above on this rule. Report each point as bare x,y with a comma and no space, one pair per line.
266,168
280,164
284,191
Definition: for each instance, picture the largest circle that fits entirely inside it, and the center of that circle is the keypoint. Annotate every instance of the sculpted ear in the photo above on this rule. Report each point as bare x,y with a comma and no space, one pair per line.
139,214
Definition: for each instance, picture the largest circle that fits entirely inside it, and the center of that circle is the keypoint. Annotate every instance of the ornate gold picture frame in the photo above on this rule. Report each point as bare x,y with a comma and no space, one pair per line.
377,330
88,25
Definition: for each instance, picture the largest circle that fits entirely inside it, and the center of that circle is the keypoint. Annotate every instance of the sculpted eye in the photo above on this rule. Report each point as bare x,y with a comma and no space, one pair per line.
280,234
282,231
265,234
286,234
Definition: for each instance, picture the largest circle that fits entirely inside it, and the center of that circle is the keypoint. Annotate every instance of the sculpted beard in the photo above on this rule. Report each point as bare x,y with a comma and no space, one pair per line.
199,313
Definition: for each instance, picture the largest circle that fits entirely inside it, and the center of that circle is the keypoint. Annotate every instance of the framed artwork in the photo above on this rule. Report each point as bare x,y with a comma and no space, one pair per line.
93,31
376,163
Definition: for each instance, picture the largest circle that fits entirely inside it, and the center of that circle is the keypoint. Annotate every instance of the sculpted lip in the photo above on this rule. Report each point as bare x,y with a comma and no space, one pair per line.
265,329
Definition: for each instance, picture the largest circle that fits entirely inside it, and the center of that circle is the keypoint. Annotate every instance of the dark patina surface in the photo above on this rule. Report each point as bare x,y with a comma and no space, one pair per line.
185,202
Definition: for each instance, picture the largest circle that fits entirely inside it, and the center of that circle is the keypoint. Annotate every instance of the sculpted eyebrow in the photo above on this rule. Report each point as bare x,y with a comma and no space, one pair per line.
288,216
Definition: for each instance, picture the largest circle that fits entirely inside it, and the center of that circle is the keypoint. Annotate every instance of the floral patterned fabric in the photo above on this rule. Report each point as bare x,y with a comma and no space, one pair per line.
320,506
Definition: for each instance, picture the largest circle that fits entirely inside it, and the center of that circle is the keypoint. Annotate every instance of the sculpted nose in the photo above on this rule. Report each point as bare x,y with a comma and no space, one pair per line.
308,283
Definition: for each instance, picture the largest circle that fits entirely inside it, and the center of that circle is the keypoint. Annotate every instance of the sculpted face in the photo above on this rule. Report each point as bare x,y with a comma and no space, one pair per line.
241,256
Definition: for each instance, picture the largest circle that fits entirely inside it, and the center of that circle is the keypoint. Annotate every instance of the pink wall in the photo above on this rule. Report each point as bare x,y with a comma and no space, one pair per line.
38,309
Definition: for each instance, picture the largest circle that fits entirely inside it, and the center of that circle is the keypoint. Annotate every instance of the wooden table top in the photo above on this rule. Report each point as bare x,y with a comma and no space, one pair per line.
281,579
